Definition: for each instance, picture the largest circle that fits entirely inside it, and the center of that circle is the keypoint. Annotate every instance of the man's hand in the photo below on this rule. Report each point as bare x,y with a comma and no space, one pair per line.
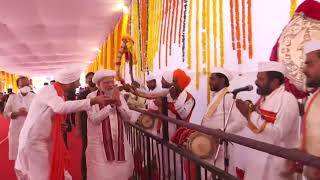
158,102
116,96
64,127
23,112
173,92
102,100
243,107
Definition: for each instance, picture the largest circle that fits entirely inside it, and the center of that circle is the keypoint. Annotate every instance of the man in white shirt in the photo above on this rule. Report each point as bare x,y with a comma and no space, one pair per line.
217,111
310,141
273,119
42,154
16,110
108,153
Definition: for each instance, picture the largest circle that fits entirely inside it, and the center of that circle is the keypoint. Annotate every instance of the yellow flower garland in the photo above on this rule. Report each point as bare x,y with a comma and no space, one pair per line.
197,44
293,7
221,33
215,29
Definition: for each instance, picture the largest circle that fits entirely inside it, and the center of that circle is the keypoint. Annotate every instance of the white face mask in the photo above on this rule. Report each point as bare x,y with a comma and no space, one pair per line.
25,89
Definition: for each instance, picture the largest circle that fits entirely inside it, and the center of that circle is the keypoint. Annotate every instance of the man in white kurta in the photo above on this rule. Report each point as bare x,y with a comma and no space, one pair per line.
274,120
217,111
99,167
16,110
35,140
310,141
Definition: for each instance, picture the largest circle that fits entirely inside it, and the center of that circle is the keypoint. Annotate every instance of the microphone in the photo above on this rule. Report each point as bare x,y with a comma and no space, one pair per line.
246,88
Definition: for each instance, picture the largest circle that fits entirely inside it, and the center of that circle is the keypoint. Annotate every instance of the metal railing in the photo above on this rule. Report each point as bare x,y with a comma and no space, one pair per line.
154,149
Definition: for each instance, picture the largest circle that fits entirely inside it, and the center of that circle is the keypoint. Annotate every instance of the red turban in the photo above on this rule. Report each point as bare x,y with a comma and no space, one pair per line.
181,78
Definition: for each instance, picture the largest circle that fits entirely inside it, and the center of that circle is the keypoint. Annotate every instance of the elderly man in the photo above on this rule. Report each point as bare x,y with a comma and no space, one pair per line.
16,110
311,130
42,154
108,153
273,119
217,111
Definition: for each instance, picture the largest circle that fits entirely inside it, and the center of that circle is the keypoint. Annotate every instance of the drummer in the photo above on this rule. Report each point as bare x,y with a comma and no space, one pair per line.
218,109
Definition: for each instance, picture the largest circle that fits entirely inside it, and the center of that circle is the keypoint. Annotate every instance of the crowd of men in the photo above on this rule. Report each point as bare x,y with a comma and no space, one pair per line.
39,122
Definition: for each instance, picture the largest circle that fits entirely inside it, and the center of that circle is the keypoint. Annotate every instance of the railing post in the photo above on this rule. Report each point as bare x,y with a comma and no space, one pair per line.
149,163
164,109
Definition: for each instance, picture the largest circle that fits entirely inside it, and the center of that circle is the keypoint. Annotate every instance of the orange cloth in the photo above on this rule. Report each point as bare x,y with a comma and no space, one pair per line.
181,78
60,155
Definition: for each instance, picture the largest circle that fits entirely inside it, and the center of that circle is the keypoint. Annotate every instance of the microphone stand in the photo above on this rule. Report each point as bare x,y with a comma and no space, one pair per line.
225,142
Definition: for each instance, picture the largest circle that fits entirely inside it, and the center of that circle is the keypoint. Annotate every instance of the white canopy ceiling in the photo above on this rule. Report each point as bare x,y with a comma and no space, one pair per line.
37,37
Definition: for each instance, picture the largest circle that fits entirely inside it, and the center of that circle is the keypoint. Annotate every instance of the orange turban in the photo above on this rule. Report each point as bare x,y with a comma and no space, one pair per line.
181,78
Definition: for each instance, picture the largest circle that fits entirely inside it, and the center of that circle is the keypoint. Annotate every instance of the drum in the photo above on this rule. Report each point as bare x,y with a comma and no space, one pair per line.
202,145
146,121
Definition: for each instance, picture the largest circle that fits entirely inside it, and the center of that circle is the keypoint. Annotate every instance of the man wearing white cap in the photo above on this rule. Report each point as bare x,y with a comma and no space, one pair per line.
311,132
273,119
108,153
217,111
16,110
167,80
42,154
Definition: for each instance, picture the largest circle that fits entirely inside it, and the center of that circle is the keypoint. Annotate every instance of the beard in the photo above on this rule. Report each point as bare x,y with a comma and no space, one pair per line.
264,90
313,82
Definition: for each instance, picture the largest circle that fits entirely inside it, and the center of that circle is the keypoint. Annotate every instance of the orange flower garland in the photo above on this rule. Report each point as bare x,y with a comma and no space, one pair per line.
244,40
250,30
239,55
221,33
161,32
232,24
176,19
181,19
167,31
173,8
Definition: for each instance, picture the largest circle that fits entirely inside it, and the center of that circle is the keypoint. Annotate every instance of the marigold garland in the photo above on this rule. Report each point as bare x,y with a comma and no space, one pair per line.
167,32
204,50
176,19
161,32
239,56
215,31
208,52
204,34
189,34
184,29
173,11
182,11
165,22
293,7
232,24
244,39
249,30
221,33
197,44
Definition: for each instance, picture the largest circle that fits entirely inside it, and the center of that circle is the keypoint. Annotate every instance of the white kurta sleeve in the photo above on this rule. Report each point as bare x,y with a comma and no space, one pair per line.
58,105
8,108
124,109
288,113
237,121
96,117
184,109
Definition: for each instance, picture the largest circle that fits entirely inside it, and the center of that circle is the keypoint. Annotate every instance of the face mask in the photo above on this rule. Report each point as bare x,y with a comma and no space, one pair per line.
25,89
